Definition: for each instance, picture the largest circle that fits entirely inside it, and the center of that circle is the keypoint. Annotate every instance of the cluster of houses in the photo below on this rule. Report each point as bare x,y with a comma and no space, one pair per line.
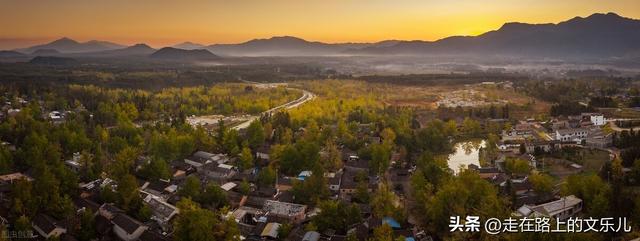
262,211
526,201
258,213
527,139
11,109
585,130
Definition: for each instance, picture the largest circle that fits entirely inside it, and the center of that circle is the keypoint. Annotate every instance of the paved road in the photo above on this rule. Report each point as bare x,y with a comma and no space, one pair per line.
612,124
306,96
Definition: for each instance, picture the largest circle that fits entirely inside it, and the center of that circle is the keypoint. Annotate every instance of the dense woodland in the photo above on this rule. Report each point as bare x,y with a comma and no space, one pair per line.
155,76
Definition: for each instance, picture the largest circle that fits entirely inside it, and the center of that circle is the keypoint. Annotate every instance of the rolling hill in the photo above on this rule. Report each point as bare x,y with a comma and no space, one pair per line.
131,51
11,54
45,52
53,61
169,53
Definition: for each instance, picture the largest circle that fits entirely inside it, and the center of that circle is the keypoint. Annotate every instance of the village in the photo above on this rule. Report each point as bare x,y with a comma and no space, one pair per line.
261,209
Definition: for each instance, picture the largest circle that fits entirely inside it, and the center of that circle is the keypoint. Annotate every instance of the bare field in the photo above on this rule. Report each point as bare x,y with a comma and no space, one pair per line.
427,97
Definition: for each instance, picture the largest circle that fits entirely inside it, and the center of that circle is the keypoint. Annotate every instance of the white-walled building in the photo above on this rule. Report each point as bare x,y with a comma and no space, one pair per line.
596,118
561,209
572,134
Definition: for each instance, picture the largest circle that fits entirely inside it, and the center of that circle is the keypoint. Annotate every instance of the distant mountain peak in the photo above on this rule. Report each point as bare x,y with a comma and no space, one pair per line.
280,39
511,25
140,45
64,40
598,17
188,45
609,14
287,37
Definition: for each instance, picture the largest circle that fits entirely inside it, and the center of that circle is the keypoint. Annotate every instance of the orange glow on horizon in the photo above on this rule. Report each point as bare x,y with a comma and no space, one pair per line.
167,22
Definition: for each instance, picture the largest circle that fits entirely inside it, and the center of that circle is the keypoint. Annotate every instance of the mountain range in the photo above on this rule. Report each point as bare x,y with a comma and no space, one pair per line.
596,36
290,46
599,35
169,53
67,45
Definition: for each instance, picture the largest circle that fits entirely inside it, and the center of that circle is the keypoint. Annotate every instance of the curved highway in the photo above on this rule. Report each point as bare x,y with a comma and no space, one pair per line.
306,96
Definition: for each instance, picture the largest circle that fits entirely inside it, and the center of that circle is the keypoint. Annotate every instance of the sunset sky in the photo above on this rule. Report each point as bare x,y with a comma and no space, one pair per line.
166,22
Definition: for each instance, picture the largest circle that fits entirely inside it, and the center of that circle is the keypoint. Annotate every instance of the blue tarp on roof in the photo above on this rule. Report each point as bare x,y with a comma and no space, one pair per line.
391,222
409,239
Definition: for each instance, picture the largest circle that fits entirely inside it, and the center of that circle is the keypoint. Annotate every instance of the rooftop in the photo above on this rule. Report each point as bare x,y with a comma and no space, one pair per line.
45,223
14,176
554,207
127,223
161,209
271,230
283,208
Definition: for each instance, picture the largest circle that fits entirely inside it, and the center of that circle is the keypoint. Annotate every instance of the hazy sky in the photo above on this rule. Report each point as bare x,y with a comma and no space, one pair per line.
164,22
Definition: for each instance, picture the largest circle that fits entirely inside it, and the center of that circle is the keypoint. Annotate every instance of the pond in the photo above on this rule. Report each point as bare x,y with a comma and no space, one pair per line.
465,153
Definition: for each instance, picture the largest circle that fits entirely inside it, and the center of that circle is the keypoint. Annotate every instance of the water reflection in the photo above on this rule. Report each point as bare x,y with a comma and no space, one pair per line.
465,153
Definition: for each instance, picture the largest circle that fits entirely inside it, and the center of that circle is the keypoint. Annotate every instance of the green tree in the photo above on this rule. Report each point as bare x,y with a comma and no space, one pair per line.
465,194
380,158
382,233
108,195
214,196
266,177
4,233
255,134
383,203
244,187
516,166
332,160
47,187
362,194
6,160
24,202
352,237
22,224
284,230
87,230
191,188
124,161
388,137
203,141
312,189
144,213
592,190
127,191
230,142
194,223
471,127
336,215
155,169
451,128
245,159
220,135
542,184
